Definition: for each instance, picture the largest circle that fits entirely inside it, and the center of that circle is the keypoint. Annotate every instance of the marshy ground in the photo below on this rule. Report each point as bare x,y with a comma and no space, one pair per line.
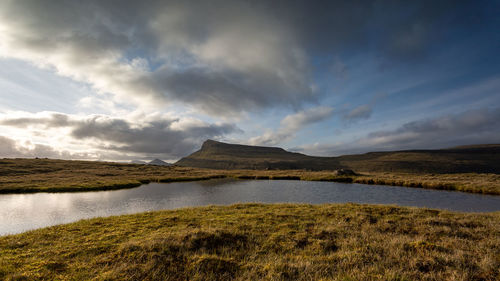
35,175
250,241
262,242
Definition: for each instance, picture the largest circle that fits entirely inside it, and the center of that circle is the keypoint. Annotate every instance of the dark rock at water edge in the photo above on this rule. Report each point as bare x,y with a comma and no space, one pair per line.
344,172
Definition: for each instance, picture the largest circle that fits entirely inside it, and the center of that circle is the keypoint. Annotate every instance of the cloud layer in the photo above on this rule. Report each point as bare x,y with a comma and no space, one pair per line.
291,124
359,113
221,57
478,126
164,51
164,137
9,148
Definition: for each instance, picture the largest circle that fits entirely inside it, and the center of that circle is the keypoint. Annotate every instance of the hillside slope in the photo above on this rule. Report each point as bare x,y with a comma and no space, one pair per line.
218,155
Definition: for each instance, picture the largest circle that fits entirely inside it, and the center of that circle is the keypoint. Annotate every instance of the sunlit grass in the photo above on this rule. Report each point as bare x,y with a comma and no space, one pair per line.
262,242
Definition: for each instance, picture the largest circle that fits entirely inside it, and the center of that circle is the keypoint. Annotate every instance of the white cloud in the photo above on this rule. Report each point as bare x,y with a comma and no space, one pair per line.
291,124
103,135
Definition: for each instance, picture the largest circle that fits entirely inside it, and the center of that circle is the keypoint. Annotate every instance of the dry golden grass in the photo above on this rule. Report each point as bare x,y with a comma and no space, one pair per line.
262,242
34,175
46,175
467,182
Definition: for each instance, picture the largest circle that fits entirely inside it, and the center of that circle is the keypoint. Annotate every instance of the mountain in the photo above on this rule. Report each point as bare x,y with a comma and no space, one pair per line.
159,162
138,162
476,158
219,155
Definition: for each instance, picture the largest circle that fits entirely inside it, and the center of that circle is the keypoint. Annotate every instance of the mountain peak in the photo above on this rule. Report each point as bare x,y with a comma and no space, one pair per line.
159,162
209,143
212,144
215,154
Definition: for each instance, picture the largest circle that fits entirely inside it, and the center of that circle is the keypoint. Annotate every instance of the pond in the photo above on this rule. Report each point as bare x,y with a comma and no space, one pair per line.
21,212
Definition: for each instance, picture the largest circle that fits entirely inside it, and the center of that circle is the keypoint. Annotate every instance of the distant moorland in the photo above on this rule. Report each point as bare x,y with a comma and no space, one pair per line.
48,175
465,159
262,242
478,166
470,168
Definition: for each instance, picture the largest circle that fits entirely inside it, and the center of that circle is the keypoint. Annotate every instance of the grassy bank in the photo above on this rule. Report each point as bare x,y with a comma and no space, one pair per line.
262,242
465,182
46,175
49,175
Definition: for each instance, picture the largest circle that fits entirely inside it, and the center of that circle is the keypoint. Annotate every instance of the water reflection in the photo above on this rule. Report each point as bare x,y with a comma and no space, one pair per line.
21,212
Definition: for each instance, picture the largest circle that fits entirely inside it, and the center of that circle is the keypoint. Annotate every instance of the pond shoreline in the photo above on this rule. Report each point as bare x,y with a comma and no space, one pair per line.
363,179
50,175
21,212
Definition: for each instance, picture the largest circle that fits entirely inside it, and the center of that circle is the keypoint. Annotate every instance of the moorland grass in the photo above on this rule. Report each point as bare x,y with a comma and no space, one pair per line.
262,242
48,175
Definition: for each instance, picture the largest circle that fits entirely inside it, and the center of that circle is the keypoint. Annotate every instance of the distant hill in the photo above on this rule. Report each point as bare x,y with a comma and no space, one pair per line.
218,155
139,162
158,162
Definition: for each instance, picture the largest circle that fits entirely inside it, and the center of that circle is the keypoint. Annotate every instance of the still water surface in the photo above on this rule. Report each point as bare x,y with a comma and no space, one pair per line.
21,212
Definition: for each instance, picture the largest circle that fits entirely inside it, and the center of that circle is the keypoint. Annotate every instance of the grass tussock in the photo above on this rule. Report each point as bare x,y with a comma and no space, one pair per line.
262,242
47,175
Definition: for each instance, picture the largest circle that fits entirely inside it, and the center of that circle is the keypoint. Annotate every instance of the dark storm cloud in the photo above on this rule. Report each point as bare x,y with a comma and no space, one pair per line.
220,93
164,137
156,137
478,126
222,57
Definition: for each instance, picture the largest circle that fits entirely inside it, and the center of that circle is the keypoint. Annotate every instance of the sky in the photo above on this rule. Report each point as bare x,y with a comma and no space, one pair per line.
123,80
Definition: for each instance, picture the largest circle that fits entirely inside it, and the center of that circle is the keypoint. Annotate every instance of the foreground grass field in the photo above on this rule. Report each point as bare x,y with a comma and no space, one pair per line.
48,175
262,242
